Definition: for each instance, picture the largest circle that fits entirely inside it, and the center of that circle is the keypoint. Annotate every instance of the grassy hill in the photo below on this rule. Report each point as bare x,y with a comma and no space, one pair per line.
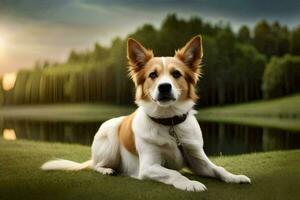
275,175
281,113
286,107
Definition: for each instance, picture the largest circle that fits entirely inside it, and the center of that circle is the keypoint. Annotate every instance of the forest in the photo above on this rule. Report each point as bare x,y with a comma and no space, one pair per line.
250,64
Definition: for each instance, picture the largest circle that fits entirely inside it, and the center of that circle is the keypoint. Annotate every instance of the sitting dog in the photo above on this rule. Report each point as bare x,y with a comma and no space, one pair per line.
162,136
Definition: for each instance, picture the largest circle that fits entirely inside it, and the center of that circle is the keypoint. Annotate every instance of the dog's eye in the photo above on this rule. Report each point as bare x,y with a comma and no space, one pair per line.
176,74
153,75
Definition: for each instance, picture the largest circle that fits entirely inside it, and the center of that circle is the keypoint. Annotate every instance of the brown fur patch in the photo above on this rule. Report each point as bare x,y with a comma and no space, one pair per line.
137,56
126,135
153,65
191,54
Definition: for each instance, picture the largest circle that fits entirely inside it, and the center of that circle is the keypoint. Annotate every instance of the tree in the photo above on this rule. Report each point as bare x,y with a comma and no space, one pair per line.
100,52
32,87
232,66
225,41
171,28
73,57
281,76
248,71
281,39
263,39
20,87
295,41
244,34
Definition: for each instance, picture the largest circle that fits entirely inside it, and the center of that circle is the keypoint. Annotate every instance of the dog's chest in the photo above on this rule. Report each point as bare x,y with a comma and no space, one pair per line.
173,158
170,152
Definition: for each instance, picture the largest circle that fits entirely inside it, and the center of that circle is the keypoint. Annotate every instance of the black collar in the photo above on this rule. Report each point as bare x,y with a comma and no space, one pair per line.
171,121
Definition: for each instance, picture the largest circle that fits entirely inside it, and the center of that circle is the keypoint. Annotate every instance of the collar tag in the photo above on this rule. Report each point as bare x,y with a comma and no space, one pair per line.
174,135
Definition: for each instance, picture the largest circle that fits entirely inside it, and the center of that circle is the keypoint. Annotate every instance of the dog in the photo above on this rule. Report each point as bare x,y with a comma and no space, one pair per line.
162,136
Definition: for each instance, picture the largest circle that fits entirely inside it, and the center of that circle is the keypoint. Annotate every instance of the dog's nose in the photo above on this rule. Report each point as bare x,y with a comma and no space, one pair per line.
165,88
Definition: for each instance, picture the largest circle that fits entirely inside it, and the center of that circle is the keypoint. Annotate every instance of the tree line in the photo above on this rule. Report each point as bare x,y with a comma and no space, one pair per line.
251,64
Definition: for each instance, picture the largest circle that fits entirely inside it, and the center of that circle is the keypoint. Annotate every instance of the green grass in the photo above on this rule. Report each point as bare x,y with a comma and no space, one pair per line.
66,112
286,107
275,175
283,113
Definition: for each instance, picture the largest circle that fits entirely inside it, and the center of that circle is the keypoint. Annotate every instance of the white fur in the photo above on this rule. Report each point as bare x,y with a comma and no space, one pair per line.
155,92
130,163
155,110
159,157
163,62
61,164
106,147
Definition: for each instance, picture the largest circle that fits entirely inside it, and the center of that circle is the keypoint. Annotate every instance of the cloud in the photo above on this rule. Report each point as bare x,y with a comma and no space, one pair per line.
244,8
80,12
48,29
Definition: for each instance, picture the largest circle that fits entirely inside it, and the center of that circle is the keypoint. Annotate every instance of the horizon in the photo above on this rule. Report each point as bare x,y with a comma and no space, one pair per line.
39,31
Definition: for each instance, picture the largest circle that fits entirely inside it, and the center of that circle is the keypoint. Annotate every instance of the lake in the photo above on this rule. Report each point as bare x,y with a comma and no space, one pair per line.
219,138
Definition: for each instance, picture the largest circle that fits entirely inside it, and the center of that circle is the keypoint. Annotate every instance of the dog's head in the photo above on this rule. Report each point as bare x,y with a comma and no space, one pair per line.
165,80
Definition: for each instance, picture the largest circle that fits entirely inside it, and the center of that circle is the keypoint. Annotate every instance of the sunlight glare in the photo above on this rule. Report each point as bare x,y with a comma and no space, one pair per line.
8,81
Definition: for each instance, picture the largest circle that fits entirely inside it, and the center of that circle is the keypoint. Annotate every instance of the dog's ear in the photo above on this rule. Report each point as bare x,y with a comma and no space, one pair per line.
191,54
137,55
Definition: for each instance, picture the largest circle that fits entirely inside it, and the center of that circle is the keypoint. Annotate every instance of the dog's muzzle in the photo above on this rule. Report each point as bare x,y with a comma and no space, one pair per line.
165,92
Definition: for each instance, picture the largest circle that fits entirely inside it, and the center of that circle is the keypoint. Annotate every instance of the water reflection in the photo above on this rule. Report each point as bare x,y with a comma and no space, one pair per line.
9,134
225,139
230,139
80,133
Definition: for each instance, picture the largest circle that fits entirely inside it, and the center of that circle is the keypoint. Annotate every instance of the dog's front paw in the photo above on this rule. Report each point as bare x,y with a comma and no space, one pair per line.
238,179
244,179
189,185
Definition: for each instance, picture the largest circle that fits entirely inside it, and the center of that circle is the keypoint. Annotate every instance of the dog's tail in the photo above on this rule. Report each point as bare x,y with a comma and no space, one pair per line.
60,164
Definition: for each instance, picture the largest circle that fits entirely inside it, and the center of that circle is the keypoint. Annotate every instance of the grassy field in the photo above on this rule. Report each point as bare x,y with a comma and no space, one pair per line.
275,175
283,113
286,107
66,112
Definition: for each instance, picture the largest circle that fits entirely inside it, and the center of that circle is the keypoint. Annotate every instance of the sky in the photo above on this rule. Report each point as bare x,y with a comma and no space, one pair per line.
37,30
